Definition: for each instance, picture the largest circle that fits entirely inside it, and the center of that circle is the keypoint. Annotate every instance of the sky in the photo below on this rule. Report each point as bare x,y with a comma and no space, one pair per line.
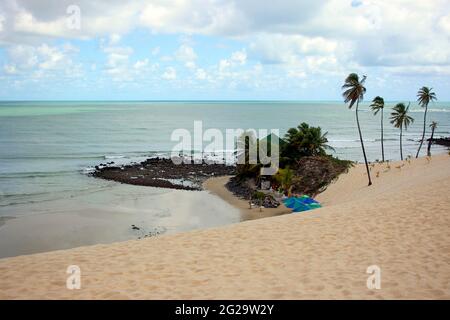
221,50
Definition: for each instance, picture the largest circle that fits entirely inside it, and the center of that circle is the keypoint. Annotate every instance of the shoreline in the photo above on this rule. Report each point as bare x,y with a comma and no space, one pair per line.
401,224
216,186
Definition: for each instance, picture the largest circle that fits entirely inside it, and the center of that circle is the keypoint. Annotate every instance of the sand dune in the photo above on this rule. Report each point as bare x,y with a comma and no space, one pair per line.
401,224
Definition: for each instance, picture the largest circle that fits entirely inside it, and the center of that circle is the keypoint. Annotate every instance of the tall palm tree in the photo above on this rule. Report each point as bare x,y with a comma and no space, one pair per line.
354,91
377,106
424,97
433,126
401,119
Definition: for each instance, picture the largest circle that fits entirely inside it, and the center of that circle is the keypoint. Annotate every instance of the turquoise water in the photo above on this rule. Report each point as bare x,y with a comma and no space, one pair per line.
45,147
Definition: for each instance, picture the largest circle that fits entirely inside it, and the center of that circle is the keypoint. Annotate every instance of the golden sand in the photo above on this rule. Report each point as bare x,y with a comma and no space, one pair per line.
401,224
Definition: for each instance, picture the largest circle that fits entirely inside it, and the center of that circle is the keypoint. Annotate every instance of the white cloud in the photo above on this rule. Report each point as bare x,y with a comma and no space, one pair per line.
10,68
24,22
2,20
444,24
293,37
32,63
114,38
141,64
201,74
239,56
52,57
280,48
170,73
118,62
190,65
187,55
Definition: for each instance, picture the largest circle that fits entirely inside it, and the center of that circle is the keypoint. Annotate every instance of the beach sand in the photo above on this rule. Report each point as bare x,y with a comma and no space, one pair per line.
217,187
401,224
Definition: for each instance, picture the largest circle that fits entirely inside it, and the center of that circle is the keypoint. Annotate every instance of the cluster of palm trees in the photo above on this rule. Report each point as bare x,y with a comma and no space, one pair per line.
354,91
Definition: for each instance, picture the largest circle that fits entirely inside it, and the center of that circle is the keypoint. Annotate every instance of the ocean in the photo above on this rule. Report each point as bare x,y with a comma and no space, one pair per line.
47,148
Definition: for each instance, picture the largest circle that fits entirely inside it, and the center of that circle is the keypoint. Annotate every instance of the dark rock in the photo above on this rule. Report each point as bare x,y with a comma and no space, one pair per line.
270,202
441,141
160,172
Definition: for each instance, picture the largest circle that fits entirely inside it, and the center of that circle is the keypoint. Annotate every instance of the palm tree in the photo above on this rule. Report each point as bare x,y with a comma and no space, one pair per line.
424,97
354,92
304,141
433,126
378,105
285,178
401,119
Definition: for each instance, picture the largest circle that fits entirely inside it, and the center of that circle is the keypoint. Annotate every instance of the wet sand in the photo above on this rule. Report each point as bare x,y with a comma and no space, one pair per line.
107,216
217,187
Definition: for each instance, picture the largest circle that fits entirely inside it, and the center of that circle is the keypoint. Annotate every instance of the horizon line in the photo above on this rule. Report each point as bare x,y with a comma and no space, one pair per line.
199,100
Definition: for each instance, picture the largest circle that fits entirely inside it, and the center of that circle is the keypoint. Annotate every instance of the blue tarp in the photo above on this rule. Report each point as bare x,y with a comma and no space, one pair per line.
302,203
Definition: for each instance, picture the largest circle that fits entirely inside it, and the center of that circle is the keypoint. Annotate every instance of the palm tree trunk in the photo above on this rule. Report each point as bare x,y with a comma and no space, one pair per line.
401,147
382,143
362,144
430,142
424,128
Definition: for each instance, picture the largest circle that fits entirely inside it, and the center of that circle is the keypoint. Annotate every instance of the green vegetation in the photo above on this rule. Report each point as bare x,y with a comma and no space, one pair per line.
424,97
258,195
304,141
284,178
377,106
400,119
304,165
354,91
433,127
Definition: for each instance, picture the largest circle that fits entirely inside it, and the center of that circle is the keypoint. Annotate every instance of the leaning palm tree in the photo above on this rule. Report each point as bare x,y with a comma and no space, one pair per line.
378,105
424,97
401,119
433,126
354,93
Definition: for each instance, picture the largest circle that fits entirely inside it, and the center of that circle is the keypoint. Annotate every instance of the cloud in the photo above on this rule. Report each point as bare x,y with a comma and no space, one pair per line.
141,64
239,57
114,38
10,69
280,48
444,24
42,60
187,55
169,74
201,74
288,39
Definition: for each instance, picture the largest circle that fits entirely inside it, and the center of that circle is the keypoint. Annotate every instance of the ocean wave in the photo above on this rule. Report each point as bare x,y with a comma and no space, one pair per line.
353,140
40,197
113,157
52,157
36,174
430,110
